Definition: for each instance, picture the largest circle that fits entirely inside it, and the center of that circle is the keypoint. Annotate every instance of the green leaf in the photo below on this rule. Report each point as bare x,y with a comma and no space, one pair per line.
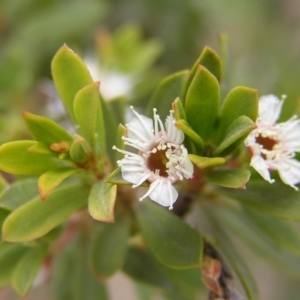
122,131
276,231
3,215
9,257
108,249
237,130
236,262
18,193
239,224
210,60
111,123
27,269
3,183
167,91
277,199
41,148
15,159
102,201
45,130
36,218
76,150
88,113
230,178
178,109
206,162
202,103
173,242
142,267
241,101
53,178
72,277
185,127
69,75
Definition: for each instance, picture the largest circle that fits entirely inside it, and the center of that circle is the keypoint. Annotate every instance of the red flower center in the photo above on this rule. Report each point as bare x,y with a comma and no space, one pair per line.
267,143
158,161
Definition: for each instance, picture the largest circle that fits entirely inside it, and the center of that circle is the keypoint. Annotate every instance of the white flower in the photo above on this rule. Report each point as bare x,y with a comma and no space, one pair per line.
113,83
161,159
273,145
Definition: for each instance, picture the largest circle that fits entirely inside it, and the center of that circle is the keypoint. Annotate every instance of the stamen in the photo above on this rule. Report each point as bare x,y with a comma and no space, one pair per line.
142,121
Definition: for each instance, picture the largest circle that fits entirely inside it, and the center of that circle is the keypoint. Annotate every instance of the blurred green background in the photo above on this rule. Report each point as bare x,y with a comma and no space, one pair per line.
164,36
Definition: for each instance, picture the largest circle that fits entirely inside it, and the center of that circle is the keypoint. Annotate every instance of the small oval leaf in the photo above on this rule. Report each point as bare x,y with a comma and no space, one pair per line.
36,218
202,103
102,201
238,129
53,178
241,101
206,162
70,75
45,130
88,113
18,193
230,178
173,242
15,159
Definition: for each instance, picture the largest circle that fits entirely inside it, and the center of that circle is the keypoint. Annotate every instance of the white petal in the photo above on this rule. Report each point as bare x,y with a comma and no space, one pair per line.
175,135
269,109
132,171
143,125
165,193
260,165
289,172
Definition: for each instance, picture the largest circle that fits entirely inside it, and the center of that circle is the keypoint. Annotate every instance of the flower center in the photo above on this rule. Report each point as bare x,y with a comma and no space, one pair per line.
266,142
158,162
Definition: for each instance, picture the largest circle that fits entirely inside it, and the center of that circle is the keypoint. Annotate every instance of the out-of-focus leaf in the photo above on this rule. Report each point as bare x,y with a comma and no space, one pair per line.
109,247
53,178
276,231
36,218
277,199
230,178
27,269
10,254
240,225
167,91
88,113
3,215
70,75
239,128
202,103
3,183
18,193
206,162
142,266
173,242
185,127
237,263
15,159
45,130
81,284
101,201
241,101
